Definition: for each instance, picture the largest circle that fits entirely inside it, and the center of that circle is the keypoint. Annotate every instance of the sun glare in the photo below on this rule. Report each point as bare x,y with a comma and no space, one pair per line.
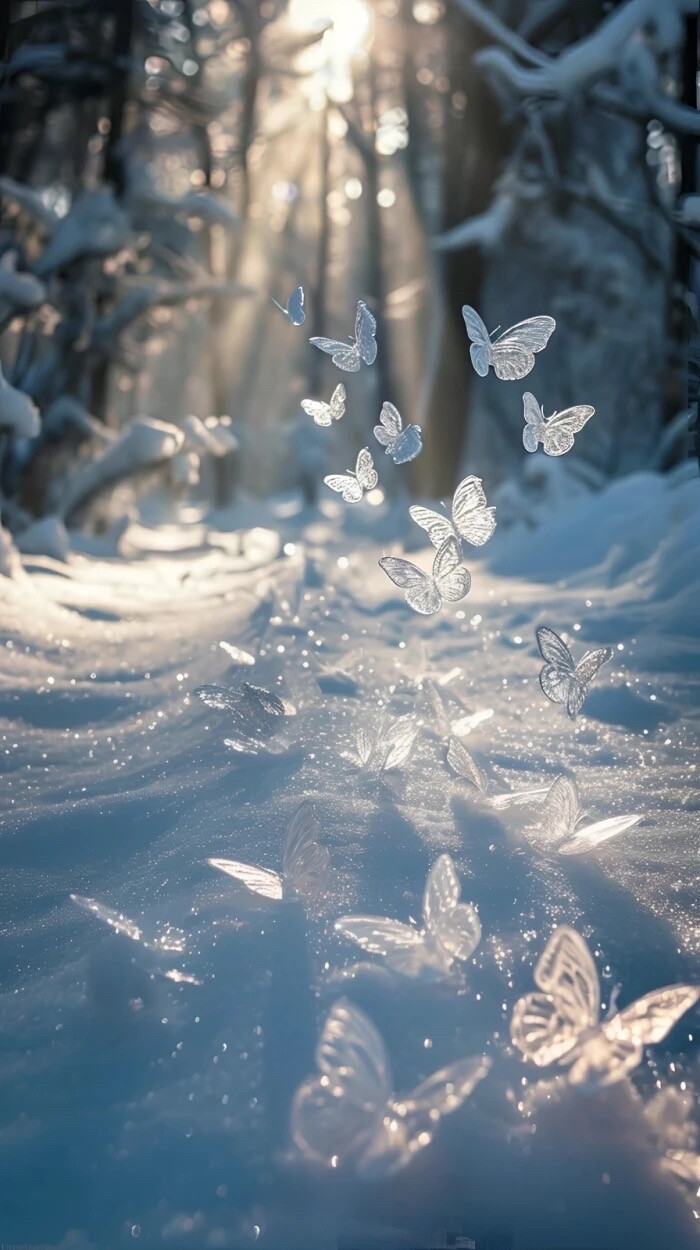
329,62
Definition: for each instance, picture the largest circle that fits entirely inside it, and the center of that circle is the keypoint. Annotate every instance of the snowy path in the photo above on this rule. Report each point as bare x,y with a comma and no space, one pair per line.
140,1102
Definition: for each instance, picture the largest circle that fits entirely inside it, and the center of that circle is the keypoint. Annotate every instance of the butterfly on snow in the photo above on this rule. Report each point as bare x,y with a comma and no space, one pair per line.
169,941
451,930
425,592
350,356
561,1023
555,433
561,680
294,312
472,520
254,713
466,767
352,486
348,1113
513,353
386,749
305,863
325,414
561,813
399,443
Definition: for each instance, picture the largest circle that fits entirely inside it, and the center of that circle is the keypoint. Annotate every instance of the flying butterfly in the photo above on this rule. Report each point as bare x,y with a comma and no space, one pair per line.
558,828
305,863
472,520
348,1114
561,680
294,312
561,1022
352,486
363,350
555,433
325,414
465,766
451,930
512,355
425,593
399,443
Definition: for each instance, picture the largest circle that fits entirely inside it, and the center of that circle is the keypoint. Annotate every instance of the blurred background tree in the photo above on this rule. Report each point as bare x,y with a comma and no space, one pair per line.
168,166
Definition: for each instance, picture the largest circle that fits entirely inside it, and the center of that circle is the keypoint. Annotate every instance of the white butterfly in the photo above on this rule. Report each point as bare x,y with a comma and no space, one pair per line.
466,767
169,941
513,353
325,414
555,433
399,443
294,312
305,863
472,520
425,593
350,356
451,930
561,680
352,486
386,749
561,1023
561,813
348,1113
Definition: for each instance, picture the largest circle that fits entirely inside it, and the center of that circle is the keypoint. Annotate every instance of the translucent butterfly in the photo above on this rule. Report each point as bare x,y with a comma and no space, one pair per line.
243,699
305,863
347,1113
555,433
425,593
325,414
169,941
561,680
513,353
466,767
561,1023
386,749
472,520
350,356
352,486
294,312
451,930
253,712
561,813
399,443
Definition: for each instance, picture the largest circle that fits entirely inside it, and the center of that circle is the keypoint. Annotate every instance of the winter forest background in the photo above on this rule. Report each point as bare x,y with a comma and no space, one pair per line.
168,170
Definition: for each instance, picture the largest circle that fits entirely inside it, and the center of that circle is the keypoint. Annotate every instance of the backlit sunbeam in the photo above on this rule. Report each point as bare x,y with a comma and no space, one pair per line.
329,63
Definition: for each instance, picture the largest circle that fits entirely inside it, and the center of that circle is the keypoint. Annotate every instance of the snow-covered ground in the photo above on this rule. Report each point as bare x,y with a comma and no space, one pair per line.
146,1083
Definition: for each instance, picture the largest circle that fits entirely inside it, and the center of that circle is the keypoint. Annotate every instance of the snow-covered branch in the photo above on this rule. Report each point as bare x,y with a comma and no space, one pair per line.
146,444
485,230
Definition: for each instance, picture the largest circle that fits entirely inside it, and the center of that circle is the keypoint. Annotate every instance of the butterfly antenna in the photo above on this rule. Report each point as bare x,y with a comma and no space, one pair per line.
282,310
491,334
614,995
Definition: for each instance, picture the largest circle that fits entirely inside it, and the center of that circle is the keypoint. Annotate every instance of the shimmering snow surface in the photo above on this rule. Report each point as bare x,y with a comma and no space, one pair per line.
146,1080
